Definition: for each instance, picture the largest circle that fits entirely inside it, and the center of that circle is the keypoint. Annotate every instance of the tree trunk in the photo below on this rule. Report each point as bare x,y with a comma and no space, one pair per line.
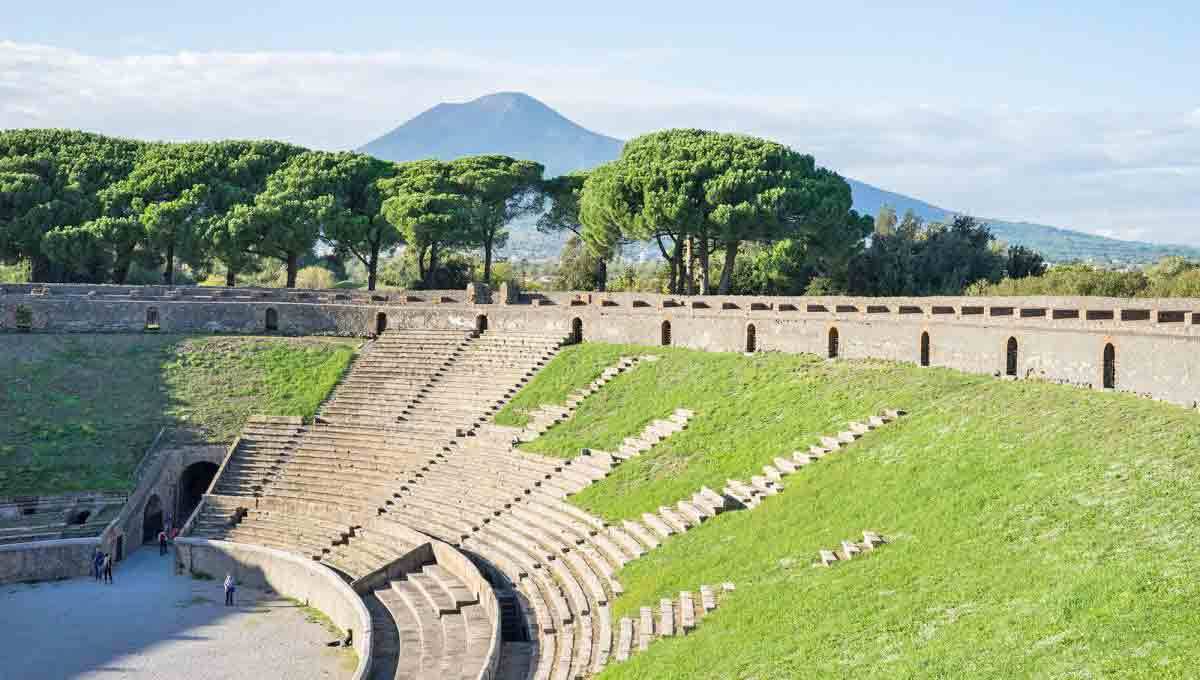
487,257
373,266
727,270
121,270
293,261
677,268
39,268
169,268
230,278
704,265
421,270
601,274
432,271
689,267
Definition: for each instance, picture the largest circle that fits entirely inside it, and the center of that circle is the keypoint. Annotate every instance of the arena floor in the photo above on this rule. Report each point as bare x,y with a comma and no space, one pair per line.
153,624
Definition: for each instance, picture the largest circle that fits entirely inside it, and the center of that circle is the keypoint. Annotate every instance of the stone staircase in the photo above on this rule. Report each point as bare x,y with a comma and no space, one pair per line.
671,618
429,624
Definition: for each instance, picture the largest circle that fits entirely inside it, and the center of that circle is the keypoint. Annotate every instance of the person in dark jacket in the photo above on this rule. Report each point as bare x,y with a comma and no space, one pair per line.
107,566
97,564
230,586
162,542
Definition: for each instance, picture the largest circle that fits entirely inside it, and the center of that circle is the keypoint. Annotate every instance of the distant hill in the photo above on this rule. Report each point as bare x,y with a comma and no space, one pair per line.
507,123
515,124
1055,244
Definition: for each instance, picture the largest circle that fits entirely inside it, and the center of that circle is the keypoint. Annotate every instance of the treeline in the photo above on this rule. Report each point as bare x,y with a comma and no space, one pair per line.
87,208
1170,277
728,214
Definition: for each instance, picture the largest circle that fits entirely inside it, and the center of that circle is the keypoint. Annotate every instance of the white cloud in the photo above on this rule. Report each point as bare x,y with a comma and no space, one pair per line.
1124,174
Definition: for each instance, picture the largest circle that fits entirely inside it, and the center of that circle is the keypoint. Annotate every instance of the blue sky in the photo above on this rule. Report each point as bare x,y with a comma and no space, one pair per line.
1083,116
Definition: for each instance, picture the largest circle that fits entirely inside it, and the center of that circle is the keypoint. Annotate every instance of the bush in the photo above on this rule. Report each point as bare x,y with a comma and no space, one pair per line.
312,277
24,317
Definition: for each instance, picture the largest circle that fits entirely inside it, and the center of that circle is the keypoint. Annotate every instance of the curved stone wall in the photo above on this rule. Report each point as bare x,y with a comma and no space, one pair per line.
1151,343
288,575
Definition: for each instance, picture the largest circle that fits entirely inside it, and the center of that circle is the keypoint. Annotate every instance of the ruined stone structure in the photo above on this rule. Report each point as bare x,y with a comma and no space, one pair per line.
466,559
1146,346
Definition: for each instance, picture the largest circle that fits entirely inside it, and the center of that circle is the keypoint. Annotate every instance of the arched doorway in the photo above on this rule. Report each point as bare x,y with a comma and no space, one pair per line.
1110,367
577,330
272,319
193,484
152,319
152,519
481,323
1010,358
666,333
751,338
380,323
925,348
120,548
833,343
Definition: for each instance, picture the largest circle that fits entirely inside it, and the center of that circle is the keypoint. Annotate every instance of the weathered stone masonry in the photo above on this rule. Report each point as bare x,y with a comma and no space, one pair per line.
1150,344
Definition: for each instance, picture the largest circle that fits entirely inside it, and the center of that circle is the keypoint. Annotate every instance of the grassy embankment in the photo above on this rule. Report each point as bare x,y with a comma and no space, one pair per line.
1037,530
77,412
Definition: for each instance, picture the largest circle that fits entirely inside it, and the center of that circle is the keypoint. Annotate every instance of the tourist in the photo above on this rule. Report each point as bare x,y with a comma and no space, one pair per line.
107,566
229,588
162,542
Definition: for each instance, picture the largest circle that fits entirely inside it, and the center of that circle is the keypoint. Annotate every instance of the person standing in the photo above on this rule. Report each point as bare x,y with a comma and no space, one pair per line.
107,565
97,563
230,586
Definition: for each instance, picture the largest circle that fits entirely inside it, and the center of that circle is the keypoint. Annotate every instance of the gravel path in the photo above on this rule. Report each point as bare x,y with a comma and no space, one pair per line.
153,624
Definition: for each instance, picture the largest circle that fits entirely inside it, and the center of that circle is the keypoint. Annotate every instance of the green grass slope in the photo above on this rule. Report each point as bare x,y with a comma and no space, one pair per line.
1037,530
77,412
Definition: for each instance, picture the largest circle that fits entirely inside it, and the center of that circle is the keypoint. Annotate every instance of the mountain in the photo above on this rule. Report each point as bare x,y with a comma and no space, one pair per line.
509,123
1054,243
517,125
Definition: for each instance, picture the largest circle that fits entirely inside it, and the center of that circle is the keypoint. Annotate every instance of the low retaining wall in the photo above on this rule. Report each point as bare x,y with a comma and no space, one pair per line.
47,560
287,575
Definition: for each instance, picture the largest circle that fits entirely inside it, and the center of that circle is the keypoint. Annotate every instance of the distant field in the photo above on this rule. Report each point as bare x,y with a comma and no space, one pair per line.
78,411
1037,530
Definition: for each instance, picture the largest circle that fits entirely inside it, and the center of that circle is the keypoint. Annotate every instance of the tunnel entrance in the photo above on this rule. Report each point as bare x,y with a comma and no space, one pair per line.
193,484
152,519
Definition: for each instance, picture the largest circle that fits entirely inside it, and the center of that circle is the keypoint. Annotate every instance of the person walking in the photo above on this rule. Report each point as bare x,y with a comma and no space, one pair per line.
162,542
107,566
97,564
230,586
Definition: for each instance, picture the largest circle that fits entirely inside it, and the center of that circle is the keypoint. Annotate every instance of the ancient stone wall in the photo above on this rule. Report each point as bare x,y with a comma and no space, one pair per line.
1151,344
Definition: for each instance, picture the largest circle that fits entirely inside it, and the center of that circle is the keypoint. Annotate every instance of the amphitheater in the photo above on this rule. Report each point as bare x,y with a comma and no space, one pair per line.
418,525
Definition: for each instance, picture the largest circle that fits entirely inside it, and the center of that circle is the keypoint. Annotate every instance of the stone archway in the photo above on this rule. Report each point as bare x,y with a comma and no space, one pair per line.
152,519
665,333
834,341
193,484
1010,357
577,330
272,319
751,338
925,348
1109,376
481,323
381,323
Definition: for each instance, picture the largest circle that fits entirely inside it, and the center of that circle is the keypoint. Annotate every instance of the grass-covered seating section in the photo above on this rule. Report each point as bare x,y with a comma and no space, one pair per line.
1035,530
78,411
